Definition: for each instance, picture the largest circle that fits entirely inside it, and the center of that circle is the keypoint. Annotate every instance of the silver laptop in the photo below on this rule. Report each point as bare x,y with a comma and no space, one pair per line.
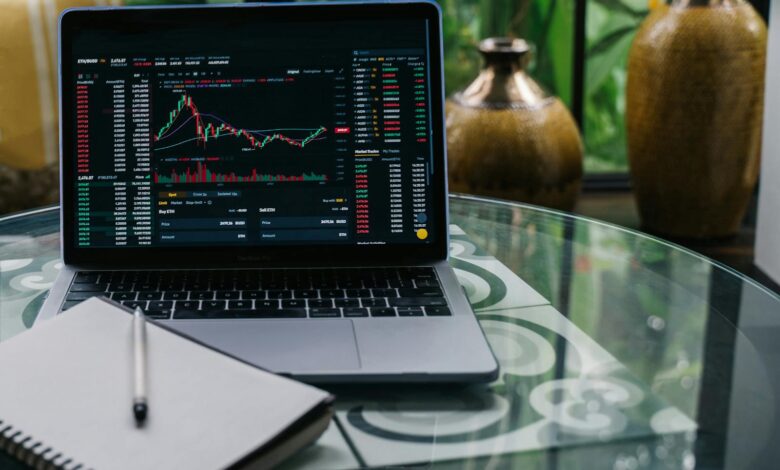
269,179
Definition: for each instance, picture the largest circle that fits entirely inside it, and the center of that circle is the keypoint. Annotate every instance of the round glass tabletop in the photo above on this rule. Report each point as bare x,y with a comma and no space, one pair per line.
616,349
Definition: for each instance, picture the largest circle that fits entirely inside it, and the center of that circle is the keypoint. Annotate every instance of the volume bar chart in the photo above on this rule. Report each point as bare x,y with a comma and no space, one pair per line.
202,174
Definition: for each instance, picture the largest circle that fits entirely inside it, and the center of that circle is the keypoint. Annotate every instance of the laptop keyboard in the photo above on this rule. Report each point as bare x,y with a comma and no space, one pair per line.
268,293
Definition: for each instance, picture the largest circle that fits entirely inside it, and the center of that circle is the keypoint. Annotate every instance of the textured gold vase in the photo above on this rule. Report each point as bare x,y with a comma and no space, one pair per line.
694,111
507,138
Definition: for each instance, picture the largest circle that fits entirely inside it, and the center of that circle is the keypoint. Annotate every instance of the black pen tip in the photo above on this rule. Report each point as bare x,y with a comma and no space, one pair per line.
139,411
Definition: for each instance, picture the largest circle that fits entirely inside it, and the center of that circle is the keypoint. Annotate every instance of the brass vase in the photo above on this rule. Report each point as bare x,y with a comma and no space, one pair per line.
694,110
507,138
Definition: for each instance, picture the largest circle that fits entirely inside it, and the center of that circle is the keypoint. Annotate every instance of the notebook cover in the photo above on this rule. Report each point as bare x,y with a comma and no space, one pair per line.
72,391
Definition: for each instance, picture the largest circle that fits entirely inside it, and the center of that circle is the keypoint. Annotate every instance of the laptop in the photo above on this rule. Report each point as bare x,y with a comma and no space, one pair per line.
269,179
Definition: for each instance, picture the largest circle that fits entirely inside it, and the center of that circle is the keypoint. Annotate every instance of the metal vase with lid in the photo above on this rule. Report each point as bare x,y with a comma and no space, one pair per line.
508,138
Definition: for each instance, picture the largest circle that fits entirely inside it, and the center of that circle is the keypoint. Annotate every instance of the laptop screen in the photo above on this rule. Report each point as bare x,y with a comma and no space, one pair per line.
237,133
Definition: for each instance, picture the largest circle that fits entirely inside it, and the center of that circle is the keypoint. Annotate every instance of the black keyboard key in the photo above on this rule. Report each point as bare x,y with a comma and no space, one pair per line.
187,305
160,305
150,296
437,311
197,290
409,309
171,286
186,314
419,309
70,303
161,314
266,304
384,293
119,296
205,295
88,287
196,286
145,287
324,313
131,276
347,303
222,285
232,294
355,312
375,284
253,294
357,293
86,278
280,313
382,312
279,294
332,294
421,292
417,302
373,302
120,287
79,296
294,303
426,282
239,304
109,277
175,295
320,303
212,305
305,294
411,312
400,283
134,304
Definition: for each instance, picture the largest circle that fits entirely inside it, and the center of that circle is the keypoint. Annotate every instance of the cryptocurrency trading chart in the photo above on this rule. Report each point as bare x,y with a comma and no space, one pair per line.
251,142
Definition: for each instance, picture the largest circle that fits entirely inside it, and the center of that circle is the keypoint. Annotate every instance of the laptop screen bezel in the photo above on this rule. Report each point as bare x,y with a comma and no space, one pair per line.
75,20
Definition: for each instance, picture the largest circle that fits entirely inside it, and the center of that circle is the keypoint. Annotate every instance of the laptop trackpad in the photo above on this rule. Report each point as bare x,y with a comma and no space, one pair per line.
284,346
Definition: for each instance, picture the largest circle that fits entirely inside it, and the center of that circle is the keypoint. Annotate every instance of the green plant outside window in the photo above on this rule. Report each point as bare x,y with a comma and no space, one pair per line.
610,27
549,25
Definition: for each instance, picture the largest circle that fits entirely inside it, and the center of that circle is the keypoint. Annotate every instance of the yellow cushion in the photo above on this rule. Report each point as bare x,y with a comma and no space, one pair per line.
28,80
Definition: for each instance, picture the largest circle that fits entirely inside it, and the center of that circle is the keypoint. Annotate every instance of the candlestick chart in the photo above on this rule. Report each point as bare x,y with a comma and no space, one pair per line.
238,152
218,128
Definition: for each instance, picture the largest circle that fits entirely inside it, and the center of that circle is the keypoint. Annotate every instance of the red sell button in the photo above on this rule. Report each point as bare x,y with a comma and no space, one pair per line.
341,130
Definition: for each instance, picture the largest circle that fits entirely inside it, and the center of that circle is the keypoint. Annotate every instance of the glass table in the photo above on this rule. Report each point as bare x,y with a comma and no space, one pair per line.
618,350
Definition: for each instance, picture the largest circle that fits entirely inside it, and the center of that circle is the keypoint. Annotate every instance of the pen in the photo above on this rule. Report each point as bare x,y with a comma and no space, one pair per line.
140,405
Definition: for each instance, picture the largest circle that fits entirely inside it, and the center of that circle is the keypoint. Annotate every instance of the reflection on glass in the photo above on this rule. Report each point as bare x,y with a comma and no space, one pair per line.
610,342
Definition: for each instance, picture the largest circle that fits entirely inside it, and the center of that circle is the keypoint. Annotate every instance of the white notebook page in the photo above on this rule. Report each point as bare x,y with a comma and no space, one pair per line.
68,384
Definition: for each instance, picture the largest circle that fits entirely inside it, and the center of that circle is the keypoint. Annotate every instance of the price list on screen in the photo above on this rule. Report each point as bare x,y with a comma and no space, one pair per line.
391,138
114,195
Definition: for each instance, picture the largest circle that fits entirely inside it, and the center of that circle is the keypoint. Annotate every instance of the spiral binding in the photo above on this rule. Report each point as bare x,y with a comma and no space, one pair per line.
33,453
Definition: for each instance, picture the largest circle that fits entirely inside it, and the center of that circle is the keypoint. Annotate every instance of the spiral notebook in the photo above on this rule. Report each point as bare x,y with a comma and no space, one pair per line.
66,394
